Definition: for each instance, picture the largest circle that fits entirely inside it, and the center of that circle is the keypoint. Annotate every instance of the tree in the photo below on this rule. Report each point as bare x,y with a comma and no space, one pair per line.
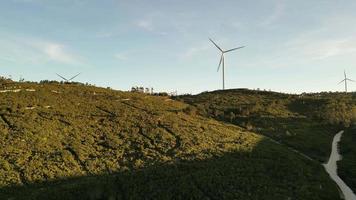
232,116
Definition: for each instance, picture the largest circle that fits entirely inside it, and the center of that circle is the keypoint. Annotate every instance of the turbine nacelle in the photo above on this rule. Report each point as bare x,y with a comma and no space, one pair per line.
225,51
222,59
233,49
346,80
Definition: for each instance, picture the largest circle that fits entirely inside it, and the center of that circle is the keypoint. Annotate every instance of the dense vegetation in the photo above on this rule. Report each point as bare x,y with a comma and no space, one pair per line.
347,166
71,141
304,122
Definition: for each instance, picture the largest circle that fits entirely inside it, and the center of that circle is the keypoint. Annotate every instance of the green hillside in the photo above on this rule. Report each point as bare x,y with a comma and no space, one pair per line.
347,166
71,141
305,122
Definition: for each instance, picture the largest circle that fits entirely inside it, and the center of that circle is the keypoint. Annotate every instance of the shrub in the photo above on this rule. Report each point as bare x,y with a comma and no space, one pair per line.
190,110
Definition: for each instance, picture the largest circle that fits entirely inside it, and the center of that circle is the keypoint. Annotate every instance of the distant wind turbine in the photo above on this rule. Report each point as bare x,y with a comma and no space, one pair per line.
222,59
345,80
67,80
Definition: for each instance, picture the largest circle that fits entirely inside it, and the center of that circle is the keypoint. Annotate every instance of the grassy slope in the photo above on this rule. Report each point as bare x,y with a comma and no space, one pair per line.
297,121
70,142
347,166
291,119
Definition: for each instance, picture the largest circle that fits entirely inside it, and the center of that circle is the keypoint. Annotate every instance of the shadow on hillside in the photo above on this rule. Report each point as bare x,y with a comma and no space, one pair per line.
271,125
347,166
271,122
267,172
308,107
311,137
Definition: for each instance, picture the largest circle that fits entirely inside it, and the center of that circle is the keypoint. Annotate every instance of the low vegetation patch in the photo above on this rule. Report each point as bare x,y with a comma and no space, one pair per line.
347,166
305,122
79,141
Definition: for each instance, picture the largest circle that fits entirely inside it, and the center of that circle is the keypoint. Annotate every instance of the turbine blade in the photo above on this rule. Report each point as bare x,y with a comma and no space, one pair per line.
234,49
342,81
350,80
74,77
221,59
62,77
216,45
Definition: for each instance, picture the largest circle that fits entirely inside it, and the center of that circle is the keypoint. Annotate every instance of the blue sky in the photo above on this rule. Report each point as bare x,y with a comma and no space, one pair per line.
292,46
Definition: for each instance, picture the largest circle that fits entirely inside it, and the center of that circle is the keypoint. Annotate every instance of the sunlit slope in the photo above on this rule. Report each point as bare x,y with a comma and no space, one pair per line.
81,142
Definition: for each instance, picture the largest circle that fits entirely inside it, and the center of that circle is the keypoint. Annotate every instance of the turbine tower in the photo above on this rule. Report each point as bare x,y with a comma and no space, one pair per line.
67,80
222,59
345,80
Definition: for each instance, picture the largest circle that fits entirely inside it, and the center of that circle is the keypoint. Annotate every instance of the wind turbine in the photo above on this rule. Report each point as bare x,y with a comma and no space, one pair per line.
67,80
345,80
222,59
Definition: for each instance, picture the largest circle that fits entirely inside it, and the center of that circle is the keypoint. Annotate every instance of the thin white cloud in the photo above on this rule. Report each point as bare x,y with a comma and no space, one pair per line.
237,25
331,48
33,50
7,59
153,23
191,52
57,52
104,35
195,51
53,51
121,56
145,24
277,13
335,37
23,1
313,46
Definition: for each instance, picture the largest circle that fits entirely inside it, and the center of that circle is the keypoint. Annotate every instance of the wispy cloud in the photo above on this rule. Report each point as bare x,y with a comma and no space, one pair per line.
53,51
334,37
34,50
237,25
336,48
276,14
104,35
195,51
7,59
121,56
318,45
152,23
58,52
323,49
24,1
145,24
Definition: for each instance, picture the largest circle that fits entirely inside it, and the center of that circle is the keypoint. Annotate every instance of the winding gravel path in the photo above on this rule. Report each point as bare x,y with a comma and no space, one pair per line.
331,169
331,166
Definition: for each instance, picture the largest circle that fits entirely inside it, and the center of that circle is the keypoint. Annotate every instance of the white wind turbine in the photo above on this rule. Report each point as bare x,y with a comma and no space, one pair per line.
67,80
222,59
345,80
